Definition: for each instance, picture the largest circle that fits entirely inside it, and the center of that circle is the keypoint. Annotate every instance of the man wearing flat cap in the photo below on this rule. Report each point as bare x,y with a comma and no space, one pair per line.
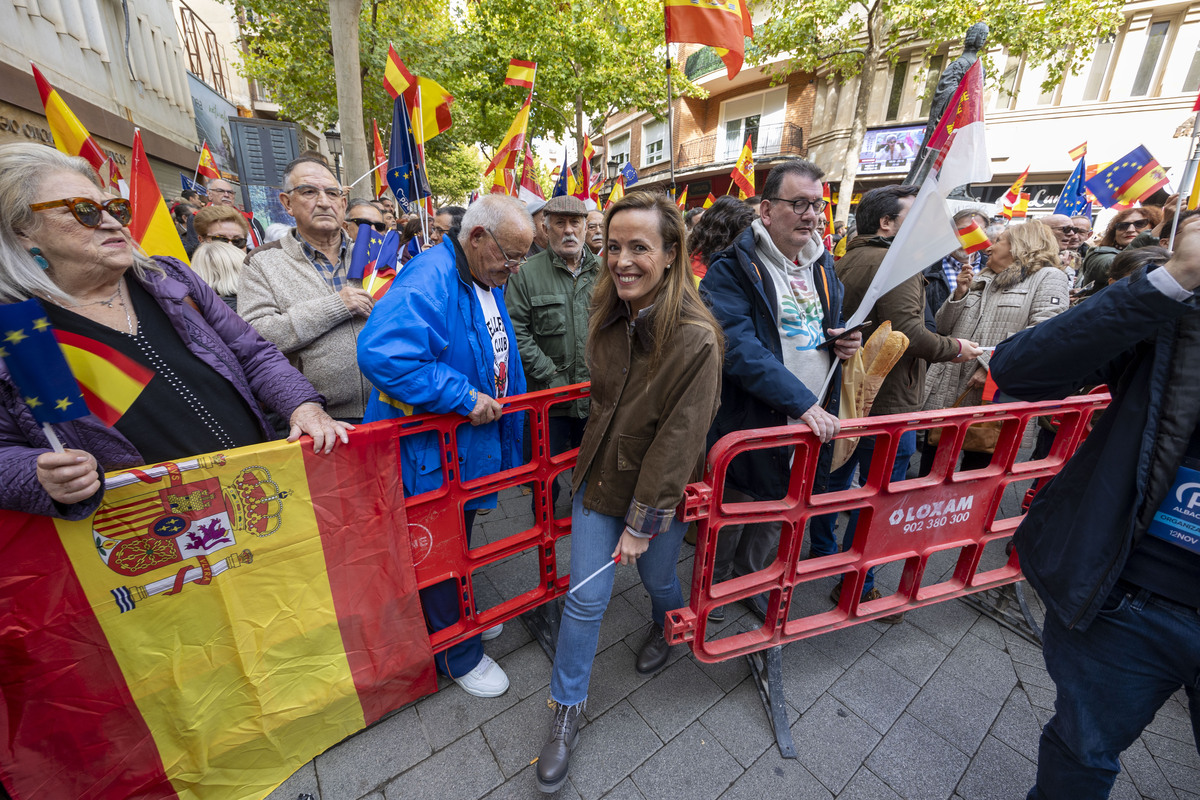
549,301
536,209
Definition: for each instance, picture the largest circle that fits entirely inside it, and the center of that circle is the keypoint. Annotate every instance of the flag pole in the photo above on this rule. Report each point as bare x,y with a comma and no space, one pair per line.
670,124
55,443
1186,182
204,144
421,156
376,168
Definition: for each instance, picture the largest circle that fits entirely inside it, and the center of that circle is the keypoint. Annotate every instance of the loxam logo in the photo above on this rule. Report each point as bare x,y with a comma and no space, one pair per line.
937,509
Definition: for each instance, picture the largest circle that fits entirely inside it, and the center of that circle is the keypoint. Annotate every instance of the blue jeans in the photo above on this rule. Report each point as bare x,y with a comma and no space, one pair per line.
440,603
821,538
1112,678
594,537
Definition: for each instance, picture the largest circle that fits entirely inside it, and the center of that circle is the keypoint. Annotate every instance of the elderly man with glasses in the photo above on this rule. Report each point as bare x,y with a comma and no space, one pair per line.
441,341
224,193
295,292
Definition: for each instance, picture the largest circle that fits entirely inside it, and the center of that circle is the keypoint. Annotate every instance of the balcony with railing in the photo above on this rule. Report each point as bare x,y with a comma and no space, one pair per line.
205,56
783,139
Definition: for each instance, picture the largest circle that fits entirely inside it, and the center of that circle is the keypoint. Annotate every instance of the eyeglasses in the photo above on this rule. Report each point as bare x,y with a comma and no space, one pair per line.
800,205
440,230
1139,225
1068,230
239,242
309,194
379,226
88,212
229,192
509,262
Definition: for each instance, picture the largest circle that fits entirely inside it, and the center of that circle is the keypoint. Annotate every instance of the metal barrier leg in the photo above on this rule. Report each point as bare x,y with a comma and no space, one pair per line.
767,666
1008,606
542,623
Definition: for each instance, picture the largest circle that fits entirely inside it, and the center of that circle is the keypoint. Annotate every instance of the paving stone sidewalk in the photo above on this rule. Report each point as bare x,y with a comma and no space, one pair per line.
947,705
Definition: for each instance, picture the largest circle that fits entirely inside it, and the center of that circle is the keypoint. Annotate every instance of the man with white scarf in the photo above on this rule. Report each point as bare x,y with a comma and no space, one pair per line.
776,295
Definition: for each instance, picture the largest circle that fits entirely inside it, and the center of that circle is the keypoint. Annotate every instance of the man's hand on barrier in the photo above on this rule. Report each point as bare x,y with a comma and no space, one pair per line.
1184,265
325,431
630,547
967,351
486,410
822,423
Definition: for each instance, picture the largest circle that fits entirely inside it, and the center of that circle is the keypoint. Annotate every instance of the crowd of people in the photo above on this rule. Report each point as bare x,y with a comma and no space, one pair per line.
689,327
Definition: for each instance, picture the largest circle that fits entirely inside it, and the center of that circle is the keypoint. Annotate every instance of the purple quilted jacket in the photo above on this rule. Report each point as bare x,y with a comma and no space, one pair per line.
214,333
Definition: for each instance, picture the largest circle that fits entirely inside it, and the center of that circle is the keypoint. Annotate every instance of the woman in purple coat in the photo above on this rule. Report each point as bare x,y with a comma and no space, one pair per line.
64,241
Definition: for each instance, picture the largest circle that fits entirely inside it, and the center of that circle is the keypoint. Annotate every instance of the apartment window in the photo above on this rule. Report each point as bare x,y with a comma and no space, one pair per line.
618,150
1095,80
1155,40
759,117
897,90
1008,82
653,135
1192,82
931,82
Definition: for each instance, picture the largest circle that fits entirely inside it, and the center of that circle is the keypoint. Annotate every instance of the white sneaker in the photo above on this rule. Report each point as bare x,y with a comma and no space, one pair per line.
492,632
486,680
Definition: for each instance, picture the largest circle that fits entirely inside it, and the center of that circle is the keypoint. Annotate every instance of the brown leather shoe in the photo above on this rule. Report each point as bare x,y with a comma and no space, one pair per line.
890,619
654,652
555,757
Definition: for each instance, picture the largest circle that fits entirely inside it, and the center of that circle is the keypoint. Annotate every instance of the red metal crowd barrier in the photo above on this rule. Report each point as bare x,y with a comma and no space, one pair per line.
910,520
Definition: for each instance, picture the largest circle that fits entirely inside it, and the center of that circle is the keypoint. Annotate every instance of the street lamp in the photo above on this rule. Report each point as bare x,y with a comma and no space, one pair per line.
613,167
334,139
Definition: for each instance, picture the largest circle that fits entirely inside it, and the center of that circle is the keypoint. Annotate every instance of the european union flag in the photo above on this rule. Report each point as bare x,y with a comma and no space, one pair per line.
404,174
367,244
631,176
188,183
560,186
1073,199
37,364
1131,178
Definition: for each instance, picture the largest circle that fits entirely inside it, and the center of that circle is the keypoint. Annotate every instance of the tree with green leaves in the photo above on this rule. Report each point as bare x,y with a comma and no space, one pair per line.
853,38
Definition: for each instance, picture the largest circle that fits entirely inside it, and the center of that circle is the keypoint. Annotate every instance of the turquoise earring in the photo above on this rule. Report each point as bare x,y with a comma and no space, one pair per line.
36,252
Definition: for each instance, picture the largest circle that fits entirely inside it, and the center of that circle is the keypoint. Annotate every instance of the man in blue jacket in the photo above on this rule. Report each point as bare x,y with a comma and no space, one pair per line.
1112,543
776,296
441,341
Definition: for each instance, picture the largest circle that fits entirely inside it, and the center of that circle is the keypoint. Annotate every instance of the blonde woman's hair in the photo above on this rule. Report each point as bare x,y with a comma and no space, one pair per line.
218,264
208,215
23,167
1033,247
677,301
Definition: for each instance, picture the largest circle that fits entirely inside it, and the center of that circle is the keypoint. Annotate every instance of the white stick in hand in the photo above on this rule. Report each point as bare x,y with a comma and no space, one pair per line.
583,582
55,443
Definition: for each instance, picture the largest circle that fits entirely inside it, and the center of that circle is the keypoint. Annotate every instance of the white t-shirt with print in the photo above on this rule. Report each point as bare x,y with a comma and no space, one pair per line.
500,343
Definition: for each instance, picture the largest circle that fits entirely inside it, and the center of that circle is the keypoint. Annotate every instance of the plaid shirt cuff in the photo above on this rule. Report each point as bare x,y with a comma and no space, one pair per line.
647,519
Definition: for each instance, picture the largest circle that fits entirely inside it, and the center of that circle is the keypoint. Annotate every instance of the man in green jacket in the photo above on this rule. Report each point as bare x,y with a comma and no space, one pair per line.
548,301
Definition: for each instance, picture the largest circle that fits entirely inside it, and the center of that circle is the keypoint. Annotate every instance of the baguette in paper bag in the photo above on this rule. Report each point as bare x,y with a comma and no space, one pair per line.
862,376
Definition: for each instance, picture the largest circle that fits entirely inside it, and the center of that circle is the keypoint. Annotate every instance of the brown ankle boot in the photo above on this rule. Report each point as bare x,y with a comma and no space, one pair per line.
555,758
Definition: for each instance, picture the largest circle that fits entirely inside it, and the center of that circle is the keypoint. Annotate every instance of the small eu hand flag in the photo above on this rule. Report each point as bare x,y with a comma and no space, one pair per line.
37,365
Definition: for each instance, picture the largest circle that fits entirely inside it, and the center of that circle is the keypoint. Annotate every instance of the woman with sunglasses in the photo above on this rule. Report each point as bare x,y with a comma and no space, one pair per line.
222,224
64,242
1123,229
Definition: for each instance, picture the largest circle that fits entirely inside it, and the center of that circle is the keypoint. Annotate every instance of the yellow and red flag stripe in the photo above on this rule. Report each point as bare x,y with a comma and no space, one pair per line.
152,227
521,73
708,201
513,142
1014,192
973,237
208,165
722,24
166,647
70,136
429,109
396,77
743,170
380,162
1021,209
827,196
618,191
1078,151
109,380
681,201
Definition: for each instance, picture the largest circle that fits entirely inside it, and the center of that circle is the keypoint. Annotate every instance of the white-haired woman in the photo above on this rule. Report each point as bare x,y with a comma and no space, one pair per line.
218,264
64,241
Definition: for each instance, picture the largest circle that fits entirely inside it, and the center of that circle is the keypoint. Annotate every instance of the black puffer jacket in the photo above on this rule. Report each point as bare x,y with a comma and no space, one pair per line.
1082,526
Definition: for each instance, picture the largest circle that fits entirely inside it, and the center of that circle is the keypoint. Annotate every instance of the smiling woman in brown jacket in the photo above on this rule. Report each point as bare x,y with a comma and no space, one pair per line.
655,353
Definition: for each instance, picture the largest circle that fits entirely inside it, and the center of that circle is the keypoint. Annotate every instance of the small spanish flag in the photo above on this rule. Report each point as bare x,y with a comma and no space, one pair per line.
681,201
396,77
1012,196
743,170
110,380
618,191
1078,152
973,237
1021,209
828,198
70,136
521,73
208,165
380,162
708,201
152,227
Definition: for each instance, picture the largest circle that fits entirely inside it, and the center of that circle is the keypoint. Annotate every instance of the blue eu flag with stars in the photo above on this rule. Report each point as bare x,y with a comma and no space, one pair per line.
404,174
631,176
1073,201
37,364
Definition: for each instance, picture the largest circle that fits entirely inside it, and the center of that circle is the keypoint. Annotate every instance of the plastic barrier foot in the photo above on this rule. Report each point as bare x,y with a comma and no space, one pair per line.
767,666
542,623
1008,606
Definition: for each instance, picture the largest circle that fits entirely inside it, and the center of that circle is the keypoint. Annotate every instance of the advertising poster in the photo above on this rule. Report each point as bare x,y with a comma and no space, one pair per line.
212,125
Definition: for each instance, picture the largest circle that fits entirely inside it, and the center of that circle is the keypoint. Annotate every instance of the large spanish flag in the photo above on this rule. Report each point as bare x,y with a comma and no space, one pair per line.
70,136
722,24
513,142
217,624
429,108
152,228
